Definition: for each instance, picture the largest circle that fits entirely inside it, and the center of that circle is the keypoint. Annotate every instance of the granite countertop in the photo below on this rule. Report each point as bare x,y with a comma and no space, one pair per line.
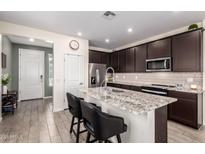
198,91
128,100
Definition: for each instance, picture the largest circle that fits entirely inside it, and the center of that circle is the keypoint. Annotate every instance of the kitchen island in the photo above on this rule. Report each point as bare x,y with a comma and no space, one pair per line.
145,114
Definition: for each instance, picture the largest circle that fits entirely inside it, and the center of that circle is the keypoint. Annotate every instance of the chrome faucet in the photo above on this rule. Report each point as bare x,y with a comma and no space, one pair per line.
106,77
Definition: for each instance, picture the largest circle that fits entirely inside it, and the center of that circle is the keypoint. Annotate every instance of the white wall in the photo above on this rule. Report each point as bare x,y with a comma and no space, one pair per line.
61,47
7,50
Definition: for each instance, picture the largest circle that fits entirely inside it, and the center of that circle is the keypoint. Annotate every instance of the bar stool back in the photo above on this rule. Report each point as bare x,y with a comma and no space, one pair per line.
101,125
75,109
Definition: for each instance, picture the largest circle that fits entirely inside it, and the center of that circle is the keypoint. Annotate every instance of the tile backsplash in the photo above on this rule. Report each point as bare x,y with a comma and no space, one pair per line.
166,78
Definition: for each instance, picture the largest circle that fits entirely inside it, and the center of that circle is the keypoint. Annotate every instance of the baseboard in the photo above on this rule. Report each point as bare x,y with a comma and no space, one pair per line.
46,97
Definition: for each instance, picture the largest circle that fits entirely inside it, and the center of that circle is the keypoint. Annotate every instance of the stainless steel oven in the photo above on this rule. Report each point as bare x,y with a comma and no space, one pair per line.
158,65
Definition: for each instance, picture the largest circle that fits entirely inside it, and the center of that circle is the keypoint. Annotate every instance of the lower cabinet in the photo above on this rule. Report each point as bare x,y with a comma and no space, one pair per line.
185,110
123,86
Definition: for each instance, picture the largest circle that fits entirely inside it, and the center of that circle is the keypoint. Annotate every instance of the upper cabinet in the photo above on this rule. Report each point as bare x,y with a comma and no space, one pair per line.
105,58
94,57
140,58
99,57
130,60
186,52
122,61
159,49
114,60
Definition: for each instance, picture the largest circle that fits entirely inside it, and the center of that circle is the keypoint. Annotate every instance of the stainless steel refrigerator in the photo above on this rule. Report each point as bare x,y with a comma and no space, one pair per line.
96,74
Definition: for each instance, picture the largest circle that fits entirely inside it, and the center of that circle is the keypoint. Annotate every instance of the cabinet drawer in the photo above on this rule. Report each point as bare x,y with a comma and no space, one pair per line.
135,88
184,95
114,85
123,86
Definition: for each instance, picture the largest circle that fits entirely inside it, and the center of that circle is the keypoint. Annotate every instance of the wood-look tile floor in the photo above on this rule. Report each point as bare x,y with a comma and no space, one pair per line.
35,122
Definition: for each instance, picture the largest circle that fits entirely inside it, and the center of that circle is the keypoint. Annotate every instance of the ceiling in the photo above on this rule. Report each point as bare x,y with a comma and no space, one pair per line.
96,29
26,41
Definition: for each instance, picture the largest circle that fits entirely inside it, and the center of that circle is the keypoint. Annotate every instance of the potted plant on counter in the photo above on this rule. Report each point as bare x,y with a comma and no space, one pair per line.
5,81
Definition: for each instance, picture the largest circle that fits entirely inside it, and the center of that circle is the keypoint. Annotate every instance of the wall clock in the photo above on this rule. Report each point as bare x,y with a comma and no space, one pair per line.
74,44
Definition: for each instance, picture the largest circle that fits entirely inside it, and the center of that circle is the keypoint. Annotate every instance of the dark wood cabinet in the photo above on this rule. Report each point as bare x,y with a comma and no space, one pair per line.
140,58
105,58
186,52
124,86
130,60
114,61
185,109
135,88
94,57
114,85
122,61
159,49
99,57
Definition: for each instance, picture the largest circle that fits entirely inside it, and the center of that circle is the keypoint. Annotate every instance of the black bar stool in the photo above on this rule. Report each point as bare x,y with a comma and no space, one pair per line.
75,109
101,125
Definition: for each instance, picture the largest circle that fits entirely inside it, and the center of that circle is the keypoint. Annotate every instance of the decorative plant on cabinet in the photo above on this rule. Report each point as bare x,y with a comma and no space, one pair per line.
5,81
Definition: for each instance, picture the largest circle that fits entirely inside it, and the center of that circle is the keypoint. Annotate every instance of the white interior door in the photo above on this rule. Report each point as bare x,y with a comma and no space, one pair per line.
31,74
74,74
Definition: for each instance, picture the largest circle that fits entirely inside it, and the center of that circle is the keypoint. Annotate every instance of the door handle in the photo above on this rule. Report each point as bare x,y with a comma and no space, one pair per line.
41,77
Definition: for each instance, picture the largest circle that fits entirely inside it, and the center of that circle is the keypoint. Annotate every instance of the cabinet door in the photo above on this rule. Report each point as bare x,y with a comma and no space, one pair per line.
159,49
186,52
185,109
122,61
140,58
114,61
135,88
94,57
130,59
105,59
123,86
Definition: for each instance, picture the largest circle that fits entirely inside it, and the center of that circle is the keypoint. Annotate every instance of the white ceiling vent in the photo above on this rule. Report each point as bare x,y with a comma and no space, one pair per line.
109,15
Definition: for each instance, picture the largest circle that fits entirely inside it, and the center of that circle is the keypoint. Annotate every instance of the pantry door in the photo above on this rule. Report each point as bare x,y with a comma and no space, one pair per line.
74,74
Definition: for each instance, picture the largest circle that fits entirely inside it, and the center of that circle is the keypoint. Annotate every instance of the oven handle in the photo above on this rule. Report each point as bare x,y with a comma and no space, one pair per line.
154,92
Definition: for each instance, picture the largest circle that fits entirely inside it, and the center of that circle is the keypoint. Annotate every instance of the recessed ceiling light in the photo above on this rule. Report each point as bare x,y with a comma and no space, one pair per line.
129,30
107,40
31,40
49,41
79,34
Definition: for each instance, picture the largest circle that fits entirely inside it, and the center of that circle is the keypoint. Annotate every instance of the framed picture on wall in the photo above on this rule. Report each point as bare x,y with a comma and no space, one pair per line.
3,60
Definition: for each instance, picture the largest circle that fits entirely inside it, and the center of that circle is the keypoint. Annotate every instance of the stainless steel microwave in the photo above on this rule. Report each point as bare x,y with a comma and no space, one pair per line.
158,65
